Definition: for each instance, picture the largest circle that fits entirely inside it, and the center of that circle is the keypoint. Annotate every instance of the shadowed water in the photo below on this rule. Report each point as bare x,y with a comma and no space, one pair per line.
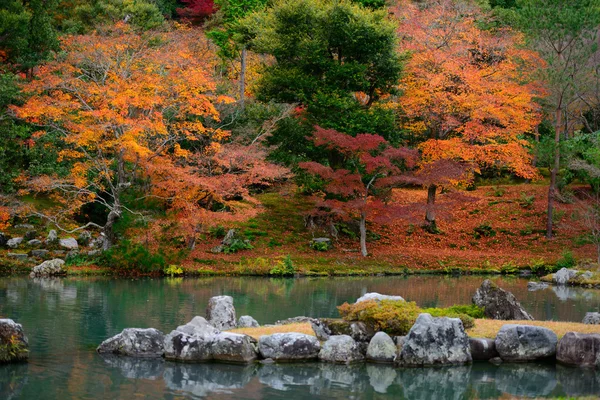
66,319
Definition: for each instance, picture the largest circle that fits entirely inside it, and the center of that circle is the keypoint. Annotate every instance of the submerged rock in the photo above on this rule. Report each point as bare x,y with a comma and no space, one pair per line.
341,349
247,321
525,342
14,345
435,341
233,347
48,268
289,346
381,348
592,318
498,303
135,342
220,312
579,349
378,297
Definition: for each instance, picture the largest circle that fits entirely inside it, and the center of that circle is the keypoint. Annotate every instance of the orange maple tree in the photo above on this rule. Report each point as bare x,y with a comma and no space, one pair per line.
468,93
132,111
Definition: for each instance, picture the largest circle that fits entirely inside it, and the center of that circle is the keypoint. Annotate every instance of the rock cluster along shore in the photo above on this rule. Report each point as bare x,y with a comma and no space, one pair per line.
430,342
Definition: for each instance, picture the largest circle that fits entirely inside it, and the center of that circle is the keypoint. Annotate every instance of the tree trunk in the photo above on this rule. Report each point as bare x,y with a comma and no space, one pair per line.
430,224
553,176
363,234
243,77
109,235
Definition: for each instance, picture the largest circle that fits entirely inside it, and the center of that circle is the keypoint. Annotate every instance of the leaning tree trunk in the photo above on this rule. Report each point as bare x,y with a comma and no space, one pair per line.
109,234
430,224
363,234
553,190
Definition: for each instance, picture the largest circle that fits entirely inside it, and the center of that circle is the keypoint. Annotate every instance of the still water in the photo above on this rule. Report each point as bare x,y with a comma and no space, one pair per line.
65,319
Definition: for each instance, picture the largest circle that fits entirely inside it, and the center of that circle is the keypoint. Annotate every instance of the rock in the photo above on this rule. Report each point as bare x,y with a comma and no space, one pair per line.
24,226
381,348
289,346
435,383
579,349
341,349
295,320
220,312
40,253
198,326
98,242
498,303
52,238
533,286
68,244
136,368
135,342
18,256
14,345
93,253
206,380
233,347
34,242
84,238
378,297
14,242
482,349
316,243
563,276
326,327
217,249
526,380
592,318
30,235
525,342
495,360
3,239
435,341
48,268
381,377
191,342
247,321
230,237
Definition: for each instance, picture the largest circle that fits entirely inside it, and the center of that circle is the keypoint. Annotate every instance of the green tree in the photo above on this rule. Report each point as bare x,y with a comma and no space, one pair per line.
565,33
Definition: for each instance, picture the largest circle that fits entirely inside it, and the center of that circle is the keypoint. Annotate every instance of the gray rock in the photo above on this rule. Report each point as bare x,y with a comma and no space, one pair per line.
84,238
381,377
563,276
220,312
378,297
198,326
381,348
326,327
230,237
41,253
533,286
24,226
435,341
52,238
18,256
135,342
68,243
295,320
592,318
498,303
341,349
318,241
233,347
483,349
98,242
30,235
579,349
495,360
93,253
180,346
14,345
289,346
525,342
217,249
247,321
14,242
34,242
48,268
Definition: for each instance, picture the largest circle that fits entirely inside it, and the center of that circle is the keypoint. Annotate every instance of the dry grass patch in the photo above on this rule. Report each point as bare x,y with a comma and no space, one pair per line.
488,328
305,328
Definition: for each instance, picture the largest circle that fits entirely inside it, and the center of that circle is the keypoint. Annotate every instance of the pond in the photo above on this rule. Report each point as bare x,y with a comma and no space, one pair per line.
65,319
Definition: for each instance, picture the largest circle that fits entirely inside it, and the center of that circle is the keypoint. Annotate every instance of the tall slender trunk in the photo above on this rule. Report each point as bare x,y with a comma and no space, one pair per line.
552,191
243,77
363,234
430,224
537,145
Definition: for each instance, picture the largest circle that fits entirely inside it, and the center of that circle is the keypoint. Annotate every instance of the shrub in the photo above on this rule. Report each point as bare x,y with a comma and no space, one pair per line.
218,231
509,268
484,230
130,256
566,261
526,201
284,268
499,191
468,321
237,245
173,270
319,246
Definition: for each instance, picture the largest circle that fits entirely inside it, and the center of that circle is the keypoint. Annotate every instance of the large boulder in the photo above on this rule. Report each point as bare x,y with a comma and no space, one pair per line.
233,347
435,341
326,327
220,312
68,243
592,318
483,349
48,268
289,346
579,349
191,342
525,342
563,276
14,345
14,242
135,342
52,238
498,303
341,349
378,297
247,321
381,348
